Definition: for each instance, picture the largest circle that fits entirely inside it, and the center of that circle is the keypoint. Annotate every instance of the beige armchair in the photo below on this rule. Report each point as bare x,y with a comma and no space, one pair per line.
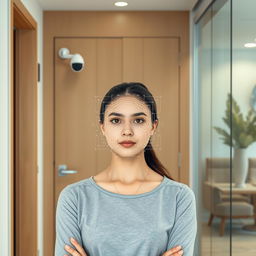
218,204
252,171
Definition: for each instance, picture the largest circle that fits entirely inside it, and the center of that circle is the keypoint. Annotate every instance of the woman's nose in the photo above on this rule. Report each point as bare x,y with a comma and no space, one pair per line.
127,130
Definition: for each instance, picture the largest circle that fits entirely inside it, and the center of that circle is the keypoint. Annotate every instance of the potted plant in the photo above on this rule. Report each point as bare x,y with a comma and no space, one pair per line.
243,135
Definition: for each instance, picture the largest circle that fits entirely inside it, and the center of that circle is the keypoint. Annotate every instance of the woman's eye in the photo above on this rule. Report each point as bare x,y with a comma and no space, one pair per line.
141,120
113,119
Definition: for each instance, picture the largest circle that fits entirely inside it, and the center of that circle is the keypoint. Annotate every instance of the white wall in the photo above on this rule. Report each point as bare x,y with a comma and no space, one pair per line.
5,233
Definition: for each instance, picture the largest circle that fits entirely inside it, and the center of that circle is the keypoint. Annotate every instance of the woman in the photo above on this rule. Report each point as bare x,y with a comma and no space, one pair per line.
133,207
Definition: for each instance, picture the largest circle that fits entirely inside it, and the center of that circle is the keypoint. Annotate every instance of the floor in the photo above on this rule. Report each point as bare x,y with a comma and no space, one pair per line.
243,242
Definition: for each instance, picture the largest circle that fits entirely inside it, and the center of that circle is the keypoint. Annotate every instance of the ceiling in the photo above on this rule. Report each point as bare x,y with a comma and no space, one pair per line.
108,5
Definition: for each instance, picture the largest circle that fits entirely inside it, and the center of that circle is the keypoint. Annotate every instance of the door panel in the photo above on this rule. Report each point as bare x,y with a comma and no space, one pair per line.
79,143
155,62
25,143
109,72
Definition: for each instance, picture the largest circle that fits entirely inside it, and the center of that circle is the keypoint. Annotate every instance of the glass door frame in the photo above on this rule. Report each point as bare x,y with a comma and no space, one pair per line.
199,10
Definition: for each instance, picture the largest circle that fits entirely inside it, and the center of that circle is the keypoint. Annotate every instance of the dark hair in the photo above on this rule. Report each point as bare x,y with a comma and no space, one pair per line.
141,92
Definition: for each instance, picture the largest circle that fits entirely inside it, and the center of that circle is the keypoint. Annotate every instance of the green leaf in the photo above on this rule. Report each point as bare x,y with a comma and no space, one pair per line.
243,129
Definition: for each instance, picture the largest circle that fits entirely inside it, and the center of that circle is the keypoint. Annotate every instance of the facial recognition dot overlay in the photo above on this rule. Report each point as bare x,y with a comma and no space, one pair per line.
101,143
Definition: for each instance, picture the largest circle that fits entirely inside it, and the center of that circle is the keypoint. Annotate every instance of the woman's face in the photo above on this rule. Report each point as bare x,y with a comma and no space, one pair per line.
122,122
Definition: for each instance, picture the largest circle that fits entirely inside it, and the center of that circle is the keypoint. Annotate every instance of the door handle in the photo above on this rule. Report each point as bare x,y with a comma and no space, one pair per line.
62,170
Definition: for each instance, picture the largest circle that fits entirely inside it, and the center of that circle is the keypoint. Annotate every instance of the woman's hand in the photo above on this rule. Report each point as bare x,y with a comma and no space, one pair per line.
176,251
80,251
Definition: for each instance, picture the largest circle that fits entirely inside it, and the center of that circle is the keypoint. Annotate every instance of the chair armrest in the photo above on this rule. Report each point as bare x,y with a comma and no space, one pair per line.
211,197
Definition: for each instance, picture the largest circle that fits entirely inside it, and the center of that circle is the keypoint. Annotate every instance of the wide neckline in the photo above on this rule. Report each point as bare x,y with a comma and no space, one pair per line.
127,196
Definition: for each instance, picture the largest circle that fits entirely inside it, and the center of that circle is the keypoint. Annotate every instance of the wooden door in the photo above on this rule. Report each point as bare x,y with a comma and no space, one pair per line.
108,61
143,36
24,163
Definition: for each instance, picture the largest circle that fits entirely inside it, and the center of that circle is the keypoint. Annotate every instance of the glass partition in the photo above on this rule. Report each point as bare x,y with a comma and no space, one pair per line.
213,35
244,126
225,54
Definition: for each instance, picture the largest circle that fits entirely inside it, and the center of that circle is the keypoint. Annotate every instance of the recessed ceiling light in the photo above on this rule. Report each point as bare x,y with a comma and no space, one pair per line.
121,4
250,45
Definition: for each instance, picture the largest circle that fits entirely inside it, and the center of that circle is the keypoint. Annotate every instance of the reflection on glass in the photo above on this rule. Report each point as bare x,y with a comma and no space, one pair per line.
244,126
214,157
226,56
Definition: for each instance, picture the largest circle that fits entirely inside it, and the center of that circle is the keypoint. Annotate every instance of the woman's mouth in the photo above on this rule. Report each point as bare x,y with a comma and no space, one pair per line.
127,145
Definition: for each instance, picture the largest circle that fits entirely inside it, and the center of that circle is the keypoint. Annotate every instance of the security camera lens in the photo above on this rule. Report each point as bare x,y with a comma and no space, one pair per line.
77,66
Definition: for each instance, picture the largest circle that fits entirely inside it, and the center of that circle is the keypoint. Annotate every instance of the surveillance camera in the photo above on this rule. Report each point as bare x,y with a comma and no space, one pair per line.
77,62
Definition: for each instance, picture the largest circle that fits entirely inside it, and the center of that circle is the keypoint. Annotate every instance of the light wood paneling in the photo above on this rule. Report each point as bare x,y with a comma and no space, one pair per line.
23,134
26,143
128,25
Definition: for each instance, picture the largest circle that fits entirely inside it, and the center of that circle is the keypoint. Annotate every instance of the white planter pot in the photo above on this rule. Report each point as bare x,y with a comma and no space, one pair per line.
240,167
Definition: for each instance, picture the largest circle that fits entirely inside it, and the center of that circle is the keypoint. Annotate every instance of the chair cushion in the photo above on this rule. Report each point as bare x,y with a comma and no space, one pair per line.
235,197
218,174
238,209
252,175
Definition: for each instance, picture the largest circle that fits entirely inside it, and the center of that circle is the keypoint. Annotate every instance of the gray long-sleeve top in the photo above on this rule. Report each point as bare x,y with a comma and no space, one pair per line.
112,224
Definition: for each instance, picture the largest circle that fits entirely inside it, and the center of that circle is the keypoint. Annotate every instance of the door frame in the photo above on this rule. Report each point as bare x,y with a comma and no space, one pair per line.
89,24
24,73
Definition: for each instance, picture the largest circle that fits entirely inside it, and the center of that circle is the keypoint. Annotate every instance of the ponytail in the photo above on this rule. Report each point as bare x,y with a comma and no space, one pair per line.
153,162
